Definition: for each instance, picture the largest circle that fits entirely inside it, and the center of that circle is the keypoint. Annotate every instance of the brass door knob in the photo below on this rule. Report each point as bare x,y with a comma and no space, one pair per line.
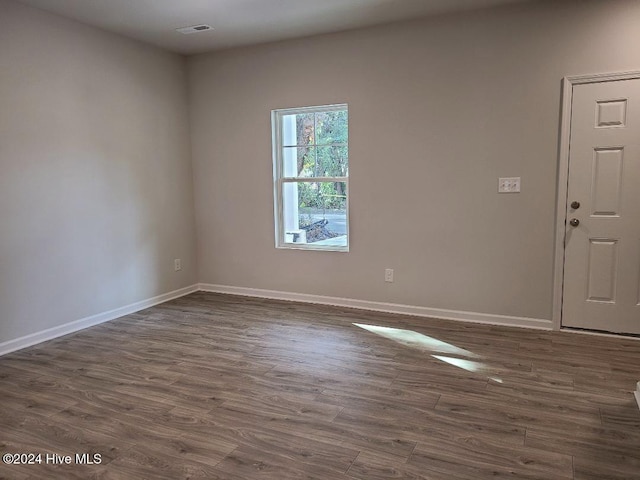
574,222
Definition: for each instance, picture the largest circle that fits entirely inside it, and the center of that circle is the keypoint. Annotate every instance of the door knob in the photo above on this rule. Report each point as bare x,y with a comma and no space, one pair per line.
574,222
575,205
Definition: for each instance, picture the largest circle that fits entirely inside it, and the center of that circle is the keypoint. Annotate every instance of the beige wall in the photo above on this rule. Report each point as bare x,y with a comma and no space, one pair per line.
96,196
439,109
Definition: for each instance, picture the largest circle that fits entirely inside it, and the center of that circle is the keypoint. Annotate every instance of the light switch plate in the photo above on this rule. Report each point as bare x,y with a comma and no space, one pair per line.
509,185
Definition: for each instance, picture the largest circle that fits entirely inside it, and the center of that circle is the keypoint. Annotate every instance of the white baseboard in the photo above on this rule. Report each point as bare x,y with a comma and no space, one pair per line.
54,332
523,322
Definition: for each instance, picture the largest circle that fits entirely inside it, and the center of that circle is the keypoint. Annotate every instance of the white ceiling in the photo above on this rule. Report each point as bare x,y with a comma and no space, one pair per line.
243,22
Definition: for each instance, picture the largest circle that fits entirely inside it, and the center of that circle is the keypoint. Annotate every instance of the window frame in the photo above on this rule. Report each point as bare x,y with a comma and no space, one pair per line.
279,179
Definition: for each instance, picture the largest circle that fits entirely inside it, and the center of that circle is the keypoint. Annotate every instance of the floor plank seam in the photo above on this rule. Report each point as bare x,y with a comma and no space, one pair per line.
573,466
346,472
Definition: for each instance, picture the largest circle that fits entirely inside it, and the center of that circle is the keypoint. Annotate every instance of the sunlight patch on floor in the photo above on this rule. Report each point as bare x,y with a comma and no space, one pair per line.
426,343
417,340
467,365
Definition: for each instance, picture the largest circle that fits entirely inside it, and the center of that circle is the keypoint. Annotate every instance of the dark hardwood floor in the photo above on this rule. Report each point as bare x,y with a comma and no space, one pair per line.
222,387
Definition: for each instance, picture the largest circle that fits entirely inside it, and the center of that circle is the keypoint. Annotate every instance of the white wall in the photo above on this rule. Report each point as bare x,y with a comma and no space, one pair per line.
96,194
439,109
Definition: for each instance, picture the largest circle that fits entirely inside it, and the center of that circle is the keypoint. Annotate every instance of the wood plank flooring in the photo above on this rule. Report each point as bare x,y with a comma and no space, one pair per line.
222,387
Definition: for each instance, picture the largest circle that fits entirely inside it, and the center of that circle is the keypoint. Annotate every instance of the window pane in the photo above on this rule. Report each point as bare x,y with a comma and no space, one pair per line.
298,129
315,213
311,144
298,162
332,127
332,161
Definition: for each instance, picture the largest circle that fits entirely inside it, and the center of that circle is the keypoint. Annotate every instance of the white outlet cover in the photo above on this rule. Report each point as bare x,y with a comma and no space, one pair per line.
509,185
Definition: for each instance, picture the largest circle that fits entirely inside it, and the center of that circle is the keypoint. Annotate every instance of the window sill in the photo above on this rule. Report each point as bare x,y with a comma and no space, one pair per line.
336,244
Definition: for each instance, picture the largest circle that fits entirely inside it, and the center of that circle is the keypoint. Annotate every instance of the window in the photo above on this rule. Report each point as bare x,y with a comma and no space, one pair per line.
311,177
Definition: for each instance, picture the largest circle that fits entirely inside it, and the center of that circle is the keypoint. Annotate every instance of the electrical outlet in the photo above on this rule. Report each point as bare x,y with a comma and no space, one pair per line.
177,264
388,275
509,185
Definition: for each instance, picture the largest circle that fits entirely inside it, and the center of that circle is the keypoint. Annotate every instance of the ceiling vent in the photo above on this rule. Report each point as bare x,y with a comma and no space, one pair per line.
194,29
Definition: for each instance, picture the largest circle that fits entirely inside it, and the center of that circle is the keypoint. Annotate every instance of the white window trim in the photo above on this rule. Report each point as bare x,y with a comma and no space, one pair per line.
279,180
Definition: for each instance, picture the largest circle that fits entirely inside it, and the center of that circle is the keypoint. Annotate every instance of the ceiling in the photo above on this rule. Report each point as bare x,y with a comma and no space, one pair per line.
243,22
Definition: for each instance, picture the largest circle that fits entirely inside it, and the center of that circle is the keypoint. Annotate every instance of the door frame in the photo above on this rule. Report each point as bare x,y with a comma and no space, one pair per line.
563,177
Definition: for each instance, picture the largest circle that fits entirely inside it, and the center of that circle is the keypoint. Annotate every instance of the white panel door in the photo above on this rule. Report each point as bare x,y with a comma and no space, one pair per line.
601,289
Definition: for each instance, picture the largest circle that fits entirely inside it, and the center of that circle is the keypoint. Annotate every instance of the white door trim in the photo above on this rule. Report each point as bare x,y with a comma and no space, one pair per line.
563,176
